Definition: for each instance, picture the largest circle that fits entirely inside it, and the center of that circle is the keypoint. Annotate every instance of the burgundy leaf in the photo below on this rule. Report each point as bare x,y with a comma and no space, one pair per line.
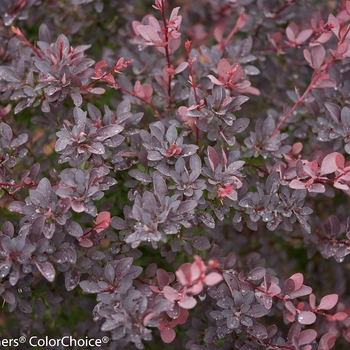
200,243
167,334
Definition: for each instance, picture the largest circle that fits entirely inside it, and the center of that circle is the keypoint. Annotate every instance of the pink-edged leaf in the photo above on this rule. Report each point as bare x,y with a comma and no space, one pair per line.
212,279
328,302
46,269
331,163
334,111
318,54
188,303
170,293
214,80
307,336
213,158
167,334
147,316
325,82
306,317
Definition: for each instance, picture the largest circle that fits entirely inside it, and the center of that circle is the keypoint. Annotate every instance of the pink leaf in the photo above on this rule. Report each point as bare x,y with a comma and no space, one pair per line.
296,184
318,54
170,293
223,67
212,279
182,66
303,36
312,301
214,80
188,303
307,56
339,316
167,334
327,341
328,302
102,221
347,8
306,317
304,290
307,336
331,163
292,31
298,279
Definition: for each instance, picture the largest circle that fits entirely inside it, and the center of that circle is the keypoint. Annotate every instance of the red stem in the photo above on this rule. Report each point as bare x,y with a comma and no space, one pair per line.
190,63
159,114
17,32
167,53
300,100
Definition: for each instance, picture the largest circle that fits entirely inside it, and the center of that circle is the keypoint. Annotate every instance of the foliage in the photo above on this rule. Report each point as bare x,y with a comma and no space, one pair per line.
179,172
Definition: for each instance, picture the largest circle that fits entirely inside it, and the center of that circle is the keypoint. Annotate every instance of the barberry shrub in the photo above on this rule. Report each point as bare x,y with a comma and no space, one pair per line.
173,172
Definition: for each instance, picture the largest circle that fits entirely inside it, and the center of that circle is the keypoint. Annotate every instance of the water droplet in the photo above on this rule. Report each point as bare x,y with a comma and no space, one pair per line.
8,19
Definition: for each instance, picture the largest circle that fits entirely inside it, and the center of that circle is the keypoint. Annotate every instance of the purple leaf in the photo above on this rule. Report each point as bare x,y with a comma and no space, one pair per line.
122,267
46,269
163,278
73,228
257,311
6,131
256,274
200,243
107,131
9,75
186,206
334,111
